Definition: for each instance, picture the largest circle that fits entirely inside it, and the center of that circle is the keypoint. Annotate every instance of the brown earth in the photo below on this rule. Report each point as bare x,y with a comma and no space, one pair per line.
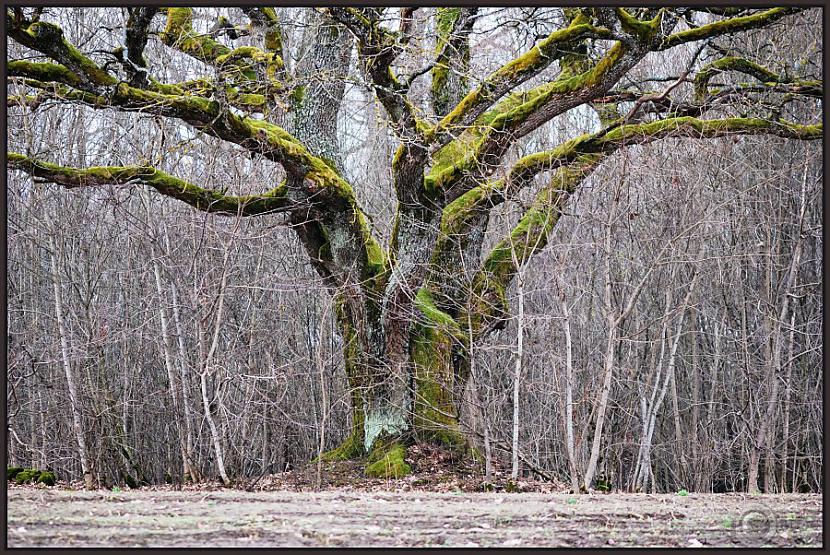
386,514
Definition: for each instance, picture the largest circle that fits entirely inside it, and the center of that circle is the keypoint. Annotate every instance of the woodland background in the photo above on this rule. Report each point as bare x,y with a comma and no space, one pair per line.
720,241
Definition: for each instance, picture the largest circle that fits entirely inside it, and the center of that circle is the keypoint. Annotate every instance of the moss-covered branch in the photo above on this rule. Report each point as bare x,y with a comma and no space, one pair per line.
266,20
245,67
747,67
168,185
727,26
487,304
515,72
48,39
573,161
461,164
449,82
378,48
314,181
44,72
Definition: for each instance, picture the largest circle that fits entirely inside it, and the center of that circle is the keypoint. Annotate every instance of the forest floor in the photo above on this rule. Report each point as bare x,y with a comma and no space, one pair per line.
357,517
442,503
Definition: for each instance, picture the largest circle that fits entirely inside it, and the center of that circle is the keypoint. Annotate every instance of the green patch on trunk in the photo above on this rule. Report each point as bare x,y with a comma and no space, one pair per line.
351,448
435,411
388,461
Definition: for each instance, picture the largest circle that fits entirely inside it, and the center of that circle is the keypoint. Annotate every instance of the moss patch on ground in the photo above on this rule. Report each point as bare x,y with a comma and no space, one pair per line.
390,465
30,476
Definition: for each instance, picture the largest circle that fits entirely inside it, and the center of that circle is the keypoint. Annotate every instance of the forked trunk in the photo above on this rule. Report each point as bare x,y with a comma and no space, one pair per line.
416,399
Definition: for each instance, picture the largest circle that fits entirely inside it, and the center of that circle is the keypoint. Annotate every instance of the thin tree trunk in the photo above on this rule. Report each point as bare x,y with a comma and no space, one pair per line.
74,401
207,367
517,376
569,409
775,364
185,390
694,439
171,372
787,407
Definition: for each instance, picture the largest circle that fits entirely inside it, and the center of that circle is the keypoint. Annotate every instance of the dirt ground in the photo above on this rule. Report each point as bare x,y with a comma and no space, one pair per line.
55,517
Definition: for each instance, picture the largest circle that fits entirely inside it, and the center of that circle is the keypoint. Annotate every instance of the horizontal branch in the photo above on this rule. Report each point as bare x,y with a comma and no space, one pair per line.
208,200
727,26
748,67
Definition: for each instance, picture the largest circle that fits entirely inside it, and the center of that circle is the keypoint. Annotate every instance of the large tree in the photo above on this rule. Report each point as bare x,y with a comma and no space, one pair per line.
410,310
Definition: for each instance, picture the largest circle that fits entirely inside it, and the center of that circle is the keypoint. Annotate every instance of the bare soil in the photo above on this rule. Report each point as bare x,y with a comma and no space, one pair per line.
166,517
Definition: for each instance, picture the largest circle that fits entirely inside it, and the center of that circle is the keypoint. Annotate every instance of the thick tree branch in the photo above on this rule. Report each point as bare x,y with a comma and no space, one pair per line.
488,300
573,161
378,48
461,164
330,201
741,65
247,67
138,25
449,83
727,26
208,200
48,39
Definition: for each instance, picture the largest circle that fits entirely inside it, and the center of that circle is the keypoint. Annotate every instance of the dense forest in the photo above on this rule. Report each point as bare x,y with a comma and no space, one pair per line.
579,243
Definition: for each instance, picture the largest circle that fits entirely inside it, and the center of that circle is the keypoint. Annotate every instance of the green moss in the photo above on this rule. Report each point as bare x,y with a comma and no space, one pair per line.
376,259
247,100
166,184
350,449
49,38
425,303
46,478
355,370
643,30
732,63
603,484
13,471
27,475
461,156
458,211
390,464
240,53
179,34
726,26
555,45
435,418
43,72
446,20
297,95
